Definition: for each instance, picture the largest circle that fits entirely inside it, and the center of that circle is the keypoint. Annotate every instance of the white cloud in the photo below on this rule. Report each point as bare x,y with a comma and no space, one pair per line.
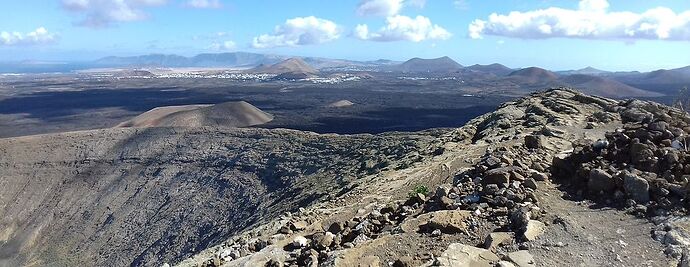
204,3
299,31
223,46
417,3
403,28
592,20
37,37
461,4
379,7
103,13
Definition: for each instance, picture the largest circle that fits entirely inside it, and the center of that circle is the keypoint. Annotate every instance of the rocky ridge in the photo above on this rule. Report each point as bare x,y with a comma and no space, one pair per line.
490,193
495,202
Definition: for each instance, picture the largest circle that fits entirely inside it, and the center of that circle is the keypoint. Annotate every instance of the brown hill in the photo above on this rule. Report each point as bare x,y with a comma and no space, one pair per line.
292,65
605,87
438,65
533,75
667,77
229,114
496,69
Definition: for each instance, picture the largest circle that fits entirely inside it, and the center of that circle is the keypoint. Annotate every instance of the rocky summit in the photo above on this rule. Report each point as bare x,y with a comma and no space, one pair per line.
556,178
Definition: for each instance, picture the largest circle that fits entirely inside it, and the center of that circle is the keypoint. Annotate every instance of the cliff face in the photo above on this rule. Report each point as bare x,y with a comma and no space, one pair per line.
139,197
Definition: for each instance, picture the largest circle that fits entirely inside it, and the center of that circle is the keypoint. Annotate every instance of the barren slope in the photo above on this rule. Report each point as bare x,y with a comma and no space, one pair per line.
138,197
229,114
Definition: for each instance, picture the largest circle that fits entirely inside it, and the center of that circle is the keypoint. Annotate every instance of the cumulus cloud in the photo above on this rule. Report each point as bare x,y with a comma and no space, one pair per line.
204,4
379,7
37,37
403,28
591,20
223,46
103,13
299,31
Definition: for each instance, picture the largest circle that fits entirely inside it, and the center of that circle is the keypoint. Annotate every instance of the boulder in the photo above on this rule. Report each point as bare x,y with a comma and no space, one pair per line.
299,225
460,255
530,183
533,230
336,227
534,141
325,240
300,242
497,176
521,258
494,240
658,126
442,191
599,181
539,176
636,187
448,221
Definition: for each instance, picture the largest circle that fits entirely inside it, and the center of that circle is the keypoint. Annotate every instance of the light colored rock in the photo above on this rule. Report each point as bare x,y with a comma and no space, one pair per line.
326,240
521,258
460,255
636,187
533,230
300,241
493,240
599,180
371,261
448,221
298,226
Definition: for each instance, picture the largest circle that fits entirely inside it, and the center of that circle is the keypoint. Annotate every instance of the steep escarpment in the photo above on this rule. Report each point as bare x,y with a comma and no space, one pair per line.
141,197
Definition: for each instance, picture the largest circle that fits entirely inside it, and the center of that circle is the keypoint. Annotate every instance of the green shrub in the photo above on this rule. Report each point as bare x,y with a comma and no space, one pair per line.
419,189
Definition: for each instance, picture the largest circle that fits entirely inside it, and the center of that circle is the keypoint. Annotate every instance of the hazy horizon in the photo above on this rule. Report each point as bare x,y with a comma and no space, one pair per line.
558,35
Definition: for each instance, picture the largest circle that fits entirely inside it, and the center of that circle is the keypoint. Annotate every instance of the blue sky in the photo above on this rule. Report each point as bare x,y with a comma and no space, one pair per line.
613,35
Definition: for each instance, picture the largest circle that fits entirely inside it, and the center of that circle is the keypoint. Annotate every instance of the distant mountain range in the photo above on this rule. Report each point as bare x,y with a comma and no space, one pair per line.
591,80
585,71
234,60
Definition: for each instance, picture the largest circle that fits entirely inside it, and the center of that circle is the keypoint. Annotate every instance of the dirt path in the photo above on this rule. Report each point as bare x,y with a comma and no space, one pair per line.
582,235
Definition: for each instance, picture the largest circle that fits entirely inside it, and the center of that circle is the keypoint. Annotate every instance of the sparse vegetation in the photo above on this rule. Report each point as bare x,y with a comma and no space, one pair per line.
419,189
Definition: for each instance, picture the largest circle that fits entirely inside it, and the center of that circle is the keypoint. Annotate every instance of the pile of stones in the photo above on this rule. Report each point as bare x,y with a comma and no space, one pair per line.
644,166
